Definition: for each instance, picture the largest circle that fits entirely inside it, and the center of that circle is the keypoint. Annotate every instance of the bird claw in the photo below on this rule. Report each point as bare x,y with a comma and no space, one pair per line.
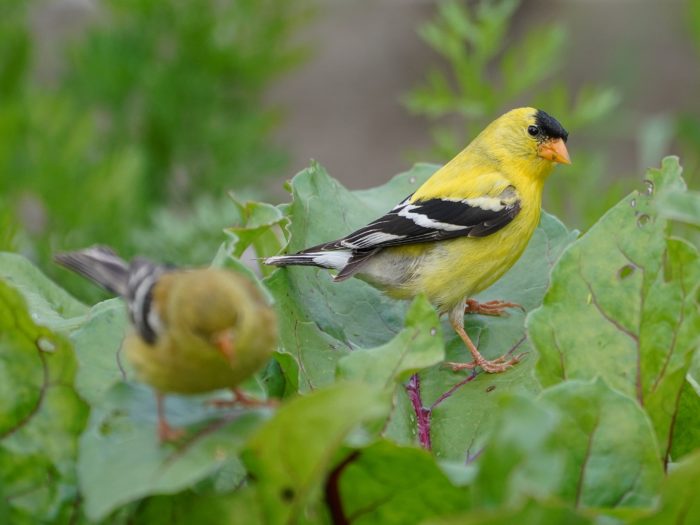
456,367
493,308
494,366
168,434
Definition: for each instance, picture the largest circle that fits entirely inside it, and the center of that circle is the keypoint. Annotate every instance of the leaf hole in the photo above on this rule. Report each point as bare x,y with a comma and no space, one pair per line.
625,271
642,220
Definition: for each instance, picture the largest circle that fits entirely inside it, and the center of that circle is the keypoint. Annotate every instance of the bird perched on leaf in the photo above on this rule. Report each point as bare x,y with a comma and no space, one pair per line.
461,230
194,330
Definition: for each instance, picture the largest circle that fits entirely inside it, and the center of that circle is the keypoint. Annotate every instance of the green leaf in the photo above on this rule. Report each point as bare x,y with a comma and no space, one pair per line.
290,455
388,484
48,303
679,502
97,343
190,507
533,513
416,347
122,434
41,416
622,306
325,324
686,429
560,446
321,321
679,205
255,226
597,423
460,407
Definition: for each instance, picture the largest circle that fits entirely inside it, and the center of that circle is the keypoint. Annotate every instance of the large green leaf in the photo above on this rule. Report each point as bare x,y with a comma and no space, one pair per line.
48,303
458,408
122,434
322,321
41,417
290,455
561,446
97,343
622,305
679,496
394,485
533,513
416,347
185,508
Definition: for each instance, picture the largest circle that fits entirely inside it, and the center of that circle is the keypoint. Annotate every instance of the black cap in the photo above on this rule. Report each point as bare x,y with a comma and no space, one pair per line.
550,126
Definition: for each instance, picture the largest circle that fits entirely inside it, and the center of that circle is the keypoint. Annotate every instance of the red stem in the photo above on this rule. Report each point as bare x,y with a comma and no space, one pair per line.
422,413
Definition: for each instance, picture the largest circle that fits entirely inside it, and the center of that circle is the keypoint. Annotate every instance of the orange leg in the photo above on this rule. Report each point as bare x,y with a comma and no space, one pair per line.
500,364
166,433
495,308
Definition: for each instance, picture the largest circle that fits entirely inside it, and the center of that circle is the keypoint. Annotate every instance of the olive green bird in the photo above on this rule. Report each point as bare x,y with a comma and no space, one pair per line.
193,330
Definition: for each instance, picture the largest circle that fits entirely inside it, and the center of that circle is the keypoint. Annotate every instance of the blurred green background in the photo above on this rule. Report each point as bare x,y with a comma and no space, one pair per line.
126,122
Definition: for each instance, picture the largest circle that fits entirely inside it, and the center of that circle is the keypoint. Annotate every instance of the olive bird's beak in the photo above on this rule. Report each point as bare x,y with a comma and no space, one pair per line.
554,150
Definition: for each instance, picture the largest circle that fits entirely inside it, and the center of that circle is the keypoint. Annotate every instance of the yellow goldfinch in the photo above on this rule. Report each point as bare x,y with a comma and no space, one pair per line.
461,230
194,330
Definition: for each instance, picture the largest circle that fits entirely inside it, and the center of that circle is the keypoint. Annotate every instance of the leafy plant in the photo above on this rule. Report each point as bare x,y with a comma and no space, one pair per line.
156,106
489,72
182,82
599,424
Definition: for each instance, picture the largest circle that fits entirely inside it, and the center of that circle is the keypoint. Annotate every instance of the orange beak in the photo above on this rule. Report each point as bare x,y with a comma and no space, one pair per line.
224,343
554,150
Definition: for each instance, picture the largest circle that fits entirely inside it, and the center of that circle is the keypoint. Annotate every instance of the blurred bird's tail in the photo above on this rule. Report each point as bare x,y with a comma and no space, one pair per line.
99,264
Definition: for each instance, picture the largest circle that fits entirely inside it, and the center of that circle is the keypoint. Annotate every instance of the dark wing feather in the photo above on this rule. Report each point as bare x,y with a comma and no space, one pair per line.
430,220
133,281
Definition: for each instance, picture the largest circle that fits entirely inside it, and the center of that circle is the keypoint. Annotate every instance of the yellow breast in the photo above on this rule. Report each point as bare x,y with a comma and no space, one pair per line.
453,270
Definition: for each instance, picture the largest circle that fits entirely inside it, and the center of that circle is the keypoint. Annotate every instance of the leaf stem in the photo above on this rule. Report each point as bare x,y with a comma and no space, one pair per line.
422,413
332,490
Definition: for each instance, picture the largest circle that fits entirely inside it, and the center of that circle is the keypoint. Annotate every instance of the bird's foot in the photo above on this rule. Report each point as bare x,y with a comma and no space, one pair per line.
241,399
494,308
168,434
494,366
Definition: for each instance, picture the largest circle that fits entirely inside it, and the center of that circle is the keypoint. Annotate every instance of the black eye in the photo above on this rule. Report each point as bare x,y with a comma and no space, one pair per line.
533,130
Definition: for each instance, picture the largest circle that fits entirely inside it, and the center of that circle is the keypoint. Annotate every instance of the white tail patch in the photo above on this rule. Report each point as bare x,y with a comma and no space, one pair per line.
334,260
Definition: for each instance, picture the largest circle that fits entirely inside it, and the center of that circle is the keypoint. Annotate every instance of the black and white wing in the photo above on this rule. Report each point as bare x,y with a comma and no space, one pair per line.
433,220
426,221
133,281
410,222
